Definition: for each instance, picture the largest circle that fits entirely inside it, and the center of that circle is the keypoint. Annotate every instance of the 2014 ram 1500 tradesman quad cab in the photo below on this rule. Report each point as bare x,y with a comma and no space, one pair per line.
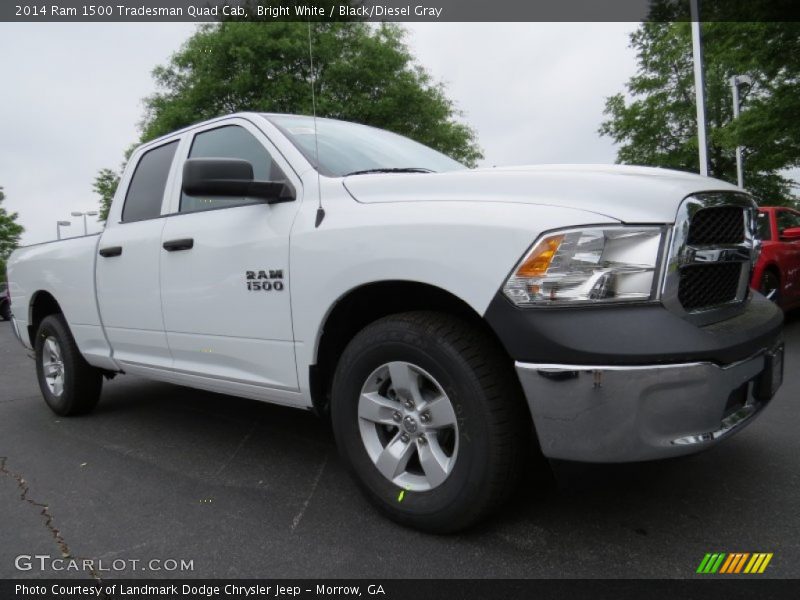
440,314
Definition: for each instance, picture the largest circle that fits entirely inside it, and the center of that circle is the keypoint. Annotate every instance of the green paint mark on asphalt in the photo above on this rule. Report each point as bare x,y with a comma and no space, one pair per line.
401,495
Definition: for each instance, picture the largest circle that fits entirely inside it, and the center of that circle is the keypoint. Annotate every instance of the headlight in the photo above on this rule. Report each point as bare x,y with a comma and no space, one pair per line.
591,265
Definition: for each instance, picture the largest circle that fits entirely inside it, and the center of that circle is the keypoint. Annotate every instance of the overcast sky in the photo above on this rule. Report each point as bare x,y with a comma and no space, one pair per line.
71,98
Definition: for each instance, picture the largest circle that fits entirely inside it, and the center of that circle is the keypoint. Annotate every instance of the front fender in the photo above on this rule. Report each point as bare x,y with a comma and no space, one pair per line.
464,248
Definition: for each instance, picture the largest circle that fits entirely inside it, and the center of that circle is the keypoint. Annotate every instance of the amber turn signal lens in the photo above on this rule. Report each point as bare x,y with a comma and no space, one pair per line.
538,261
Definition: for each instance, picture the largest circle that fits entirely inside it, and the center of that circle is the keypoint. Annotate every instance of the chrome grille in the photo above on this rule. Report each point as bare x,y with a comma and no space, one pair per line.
710,257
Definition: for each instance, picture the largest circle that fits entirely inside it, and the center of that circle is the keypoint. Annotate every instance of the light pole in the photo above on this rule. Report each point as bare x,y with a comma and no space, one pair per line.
91,213
736,81
59,225
699,87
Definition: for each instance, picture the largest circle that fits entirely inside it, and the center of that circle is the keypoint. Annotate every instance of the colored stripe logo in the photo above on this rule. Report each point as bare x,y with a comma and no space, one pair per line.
734,562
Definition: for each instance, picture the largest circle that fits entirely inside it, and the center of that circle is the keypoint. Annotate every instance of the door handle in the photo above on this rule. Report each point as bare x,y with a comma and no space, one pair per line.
110,251
181,244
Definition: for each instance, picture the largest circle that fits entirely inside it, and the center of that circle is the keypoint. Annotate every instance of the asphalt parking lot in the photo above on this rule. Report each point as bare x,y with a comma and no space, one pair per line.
244,489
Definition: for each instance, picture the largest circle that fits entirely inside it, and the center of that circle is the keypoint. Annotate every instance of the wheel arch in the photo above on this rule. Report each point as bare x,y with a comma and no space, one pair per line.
42,304
772,266
367,303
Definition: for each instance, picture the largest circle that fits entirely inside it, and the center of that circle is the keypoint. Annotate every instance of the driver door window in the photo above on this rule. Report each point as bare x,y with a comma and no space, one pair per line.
230,141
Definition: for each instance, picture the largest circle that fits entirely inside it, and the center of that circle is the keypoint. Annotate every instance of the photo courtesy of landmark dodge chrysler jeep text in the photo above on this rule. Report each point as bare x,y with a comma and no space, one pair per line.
441,315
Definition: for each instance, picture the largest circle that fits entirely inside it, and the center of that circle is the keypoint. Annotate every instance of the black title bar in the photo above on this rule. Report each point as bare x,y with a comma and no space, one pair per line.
394,10
707,588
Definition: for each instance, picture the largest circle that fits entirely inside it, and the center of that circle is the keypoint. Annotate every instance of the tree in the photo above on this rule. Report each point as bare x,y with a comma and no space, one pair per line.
10,232
105,186
656,125
362,73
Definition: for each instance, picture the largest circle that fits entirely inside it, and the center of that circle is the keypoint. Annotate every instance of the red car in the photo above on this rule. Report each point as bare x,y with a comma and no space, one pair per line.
777,272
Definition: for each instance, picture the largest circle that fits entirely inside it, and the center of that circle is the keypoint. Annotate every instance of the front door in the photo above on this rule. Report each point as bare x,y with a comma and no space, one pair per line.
225,271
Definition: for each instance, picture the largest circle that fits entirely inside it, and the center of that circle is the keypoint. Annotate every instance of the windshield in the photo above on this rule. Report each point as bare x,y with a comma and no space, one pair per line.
346,148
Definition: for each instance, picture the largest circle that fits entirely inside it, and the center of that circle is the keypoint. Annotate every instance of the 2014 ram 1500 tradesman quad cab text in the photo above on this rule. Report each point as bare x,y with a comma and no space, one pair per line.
442,315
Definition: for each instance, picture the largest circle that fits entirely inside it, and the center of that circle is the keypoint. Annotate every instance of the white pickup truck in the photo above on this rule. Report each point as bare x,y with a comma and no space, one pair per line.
441,316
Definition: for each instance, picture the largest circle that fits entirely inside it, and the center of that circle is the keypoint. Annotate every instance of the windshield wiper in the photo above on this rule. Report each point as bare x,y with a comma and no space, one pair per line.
387,170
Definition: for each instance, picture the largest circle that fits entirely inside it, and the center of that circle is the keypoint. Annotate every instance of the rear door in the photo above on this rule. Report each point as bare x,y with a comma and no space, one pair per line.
127,273
225,269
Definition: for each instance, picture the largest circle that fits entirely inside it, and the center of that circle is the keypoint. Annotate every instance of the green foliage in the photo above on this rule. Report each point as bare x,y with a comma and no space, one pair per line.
10,232
655,124
105,186
362,73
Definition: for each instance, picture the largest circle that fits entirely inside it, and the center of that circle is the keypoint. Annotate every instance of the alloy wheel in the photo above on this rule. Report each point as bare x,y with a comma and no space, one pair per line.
53,366
408,426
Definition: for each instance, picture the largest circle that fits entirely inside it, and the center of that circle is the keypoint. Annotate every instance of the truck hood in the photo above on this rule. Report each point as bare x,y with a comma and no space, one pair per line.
627,194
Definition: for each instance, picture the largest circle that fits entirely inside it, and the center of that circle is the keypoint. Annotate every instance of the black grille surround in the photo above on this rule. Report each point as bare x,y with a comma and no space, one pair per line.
706,286
717,225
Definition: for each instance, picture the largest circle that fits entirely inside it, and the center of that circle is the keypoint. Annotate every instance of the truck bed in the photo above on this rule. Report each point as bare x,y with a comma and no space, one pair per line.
65,269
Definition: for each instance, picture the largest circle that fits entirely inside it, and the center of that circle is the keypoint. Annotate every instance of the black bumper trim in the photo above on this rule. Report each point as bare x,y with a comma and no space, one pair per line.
630,335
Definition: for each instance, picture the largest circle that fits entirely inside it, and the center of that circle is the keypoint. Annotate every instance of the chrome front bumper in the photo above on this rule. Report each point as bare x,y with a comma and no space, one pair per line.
632,413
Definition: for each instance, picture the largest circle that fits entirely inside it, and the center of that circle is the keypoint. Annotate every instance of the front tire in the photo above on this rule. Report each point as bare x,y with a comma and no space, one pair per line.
69,384
5,311
429,416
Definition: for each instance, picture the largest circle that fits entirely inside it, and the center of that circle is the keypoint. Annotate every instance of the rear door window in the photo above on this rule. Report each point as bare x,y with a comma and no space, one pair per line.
146,190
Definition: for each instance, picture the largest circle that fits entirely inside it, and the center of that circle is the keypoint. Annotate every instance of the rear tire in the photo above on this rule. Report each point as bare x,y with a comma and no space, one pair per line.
5,311
455,452
69,384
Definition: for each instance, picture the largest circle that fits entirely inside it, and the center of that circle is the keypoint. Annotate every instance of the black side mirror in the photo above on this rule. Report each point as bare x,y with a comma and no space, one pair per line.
230,177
